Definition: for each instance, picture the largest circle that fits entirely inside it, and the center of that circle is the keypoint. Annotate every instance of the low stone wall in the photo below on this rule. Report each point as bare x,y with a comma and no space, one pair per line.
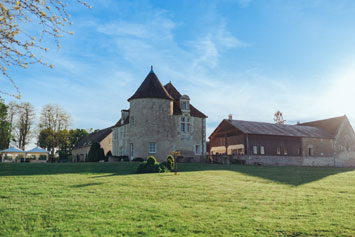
289,160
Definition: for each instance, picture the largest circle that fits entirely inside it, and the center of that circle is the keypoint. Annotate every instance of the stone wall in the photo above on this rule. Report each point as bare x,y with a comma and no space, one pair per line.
321,147
289,160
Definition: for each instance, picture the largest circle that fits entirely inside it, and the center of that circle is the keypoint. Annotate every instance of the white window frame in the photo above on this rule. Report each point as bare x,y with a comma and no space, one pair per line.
185,124
131,150
184,105
262,150
152,148
255,150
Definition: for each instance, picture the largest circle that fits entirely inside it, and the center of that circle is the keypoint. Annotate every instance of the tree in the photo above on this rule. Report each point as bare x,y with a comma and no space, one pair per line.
4,126
19,47
96,153
22,124
278,117
46,139
11,113
76,135
53,121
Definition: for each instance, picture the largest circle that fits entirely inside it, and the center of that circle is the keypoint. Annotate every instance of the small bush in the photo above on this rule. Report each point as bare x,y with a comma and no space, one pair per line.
170,163
151,160
138,159
152,168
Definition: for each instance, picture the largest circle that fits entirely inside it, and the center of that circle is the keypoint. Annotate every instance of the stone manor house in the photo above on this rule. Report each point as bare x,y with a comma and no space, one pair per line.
159,121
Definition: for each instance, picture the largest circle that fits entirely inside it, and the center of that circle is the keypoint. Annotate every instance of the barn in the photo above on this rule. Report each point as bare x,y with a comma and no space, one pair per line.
328,142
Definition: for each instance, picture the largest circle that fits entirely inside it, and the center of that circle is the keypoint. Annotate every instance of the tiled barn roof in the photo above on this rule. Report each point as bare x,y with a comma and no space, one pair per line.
330,125
260,128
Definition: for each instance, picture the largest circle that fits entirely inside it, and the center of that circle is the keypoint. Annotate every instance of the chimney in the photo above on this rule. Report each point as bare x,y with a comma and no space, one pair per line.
230,117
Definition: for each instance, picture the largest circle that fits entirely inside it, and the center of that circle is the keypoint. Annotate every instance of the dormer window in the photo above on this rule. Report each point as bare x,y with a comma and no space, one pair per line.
185,102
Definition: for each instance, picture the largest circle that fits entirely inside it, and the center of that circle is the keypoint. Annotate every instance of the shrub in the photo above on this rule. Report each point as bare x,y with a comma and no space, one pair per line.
151,160
125,158
138,159
96,153
152,168
170,162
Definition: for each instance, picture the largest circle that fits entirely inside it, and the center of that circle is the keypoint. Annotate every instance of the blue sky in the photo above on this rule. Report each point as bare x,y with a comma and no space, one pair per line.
243,57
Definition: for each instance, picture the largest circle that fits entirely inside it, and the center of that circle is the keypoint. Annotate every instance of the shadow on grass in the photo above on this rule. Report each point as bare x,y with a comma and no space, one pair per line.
291,175
287,175
85,185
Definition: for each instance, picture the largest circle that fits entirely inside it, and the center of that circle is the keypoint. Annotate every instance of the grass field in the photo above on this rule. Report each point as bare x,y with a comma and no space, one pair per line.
109,199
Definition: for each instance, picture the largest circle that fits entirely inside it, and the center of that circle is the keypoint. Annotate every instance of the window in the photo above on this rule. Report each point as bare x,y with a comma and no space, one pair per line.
299,151
185,125
255,150
278,151
184,105
152,147
182,124
310,151
197,149
188,125
285,151
131,150
131,121
262,150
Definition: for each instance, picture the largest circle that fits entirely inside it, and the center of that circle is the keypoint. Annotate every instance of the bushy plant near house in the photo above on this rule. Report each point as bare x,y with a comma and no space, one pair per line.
96,153
151,166
151,160
170,163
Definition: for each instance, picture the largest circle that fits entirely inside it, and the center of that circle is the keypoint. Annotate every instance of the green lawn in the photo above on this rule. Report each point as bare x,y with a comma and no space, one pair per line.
220,200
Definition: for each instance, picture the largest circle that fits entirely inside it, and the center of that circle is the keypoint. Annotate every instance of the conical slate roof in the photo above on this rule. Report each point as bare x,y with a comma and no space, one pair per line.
151,88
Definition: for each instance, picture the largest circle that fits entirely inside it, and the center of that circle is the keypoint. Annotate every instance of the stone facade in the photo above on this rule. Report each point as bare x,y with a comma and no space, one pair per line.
158,126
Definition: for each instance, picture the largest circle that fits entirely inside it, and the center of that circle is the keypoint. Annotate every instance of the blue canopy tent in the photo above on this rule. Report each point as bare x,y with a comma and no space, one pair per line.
37,152
13,151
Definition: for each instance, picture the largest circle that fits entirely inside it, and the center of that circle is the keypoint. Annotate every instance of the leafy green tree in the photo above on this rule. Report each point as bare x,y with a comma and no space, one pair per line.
53,122
76,135
47,139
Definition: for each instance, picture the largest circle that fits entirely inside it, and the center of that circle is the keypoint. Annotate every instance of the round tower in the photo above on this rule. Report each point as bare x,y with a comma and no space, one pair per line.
151,125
